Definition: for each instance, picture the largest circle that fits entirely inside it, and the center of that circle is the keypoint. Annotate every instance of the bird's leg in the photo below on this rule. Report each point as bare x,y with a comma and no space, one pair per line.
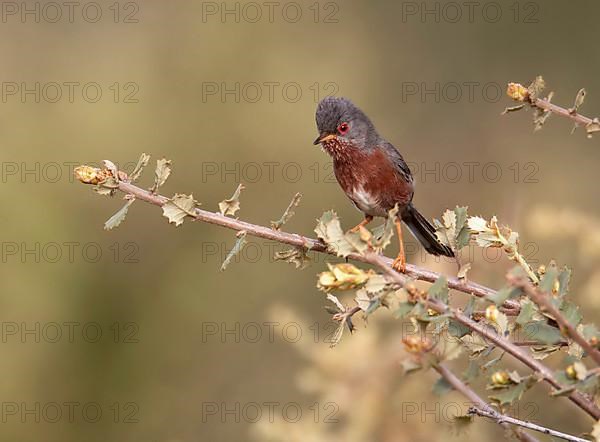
400,261
367,220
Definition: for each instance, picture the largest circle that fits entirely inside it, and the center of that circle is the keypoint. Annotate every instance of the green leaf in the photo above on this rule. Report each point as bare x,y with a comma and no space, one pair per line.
161,173
237,248
231,205
526,313
178,207
540,331
564,278
571,313
511,394
403,310
472,371
139,168
439,290
503,294
548,280
288,214
118,217
457,329
441,387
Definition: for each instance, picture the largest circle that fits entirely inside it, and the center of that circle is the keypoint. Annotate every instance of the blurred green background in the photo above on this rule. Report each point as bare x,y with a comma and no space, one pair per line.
155,293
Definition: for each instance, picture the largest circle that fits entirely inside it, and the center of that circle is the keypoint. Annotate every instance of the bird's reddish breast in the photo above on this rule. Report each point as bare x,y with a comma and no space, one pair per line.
371,174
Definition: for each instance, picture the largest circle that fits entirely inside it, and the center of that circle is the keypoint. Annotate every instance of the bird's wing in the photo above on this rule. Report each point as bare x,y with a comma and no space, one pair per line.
398,162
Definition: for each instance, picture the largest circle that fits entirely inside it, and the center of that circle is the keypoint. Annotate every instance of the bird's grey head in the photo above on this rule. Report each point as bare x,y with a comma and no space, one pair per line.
341,123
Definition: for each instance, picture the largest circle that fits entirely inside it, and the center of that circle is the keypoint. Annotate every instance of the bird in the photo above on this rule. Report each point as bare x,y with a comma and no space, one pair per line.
372,173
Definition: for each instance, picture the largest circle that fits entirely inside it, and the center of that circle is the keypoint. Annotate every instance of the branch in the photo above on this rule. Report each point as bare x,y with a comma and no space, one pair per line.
518,353
466,391
122,184
503,419
531,95
293,239
543,301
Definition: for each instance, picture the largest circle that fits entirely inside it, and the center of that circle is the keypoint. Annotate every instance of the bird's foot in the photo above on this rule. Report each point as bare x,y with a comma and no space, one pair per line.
363,223
399,263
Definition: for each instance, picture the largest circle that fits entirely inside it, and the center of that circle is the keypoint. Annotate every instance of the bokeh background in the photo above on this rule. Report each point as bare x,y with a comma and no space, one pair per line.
155,292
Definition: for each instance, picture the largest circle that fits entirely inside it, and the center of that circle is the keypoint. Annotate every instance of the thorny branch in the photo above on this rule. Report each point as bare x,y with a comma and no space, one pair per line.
112,180
468,392
504,420
518,353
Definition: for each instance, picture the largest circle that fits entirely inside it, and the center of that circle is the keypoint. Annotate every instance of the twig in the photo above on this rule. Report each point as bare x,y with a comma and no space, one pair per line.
503,419
542,300
517,352
413,271
579,119
470,394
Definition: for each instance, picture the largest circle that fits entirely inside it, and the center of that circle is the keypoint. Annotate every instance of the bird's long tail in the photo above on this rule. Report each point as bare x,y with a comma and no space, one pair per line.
425,232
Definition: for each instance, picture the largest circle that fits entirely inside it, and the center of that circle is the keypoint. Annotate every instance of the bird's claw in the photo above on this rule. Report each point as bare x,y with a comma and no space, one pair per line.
399,264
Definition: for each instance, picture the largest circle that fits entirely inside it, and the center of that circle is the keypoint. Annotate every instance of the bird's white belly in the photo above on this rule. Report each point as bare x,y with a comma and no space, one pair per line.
366,202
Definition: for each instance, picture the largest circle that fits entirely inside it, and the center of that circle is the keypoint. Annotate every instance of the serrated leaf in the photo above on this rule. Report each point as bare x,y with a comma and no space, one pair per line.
508,396
439,290
237,248
329,230
382,236
161,173
457,329
296,256
571,313
178,207
288,214
376,283
526,313
362,299
139,168
474,343
343,276
548,281
540,331
450,349
231,205
403,310
536,87
472,371
564,278
118,217
503,294
410,365
477,224
441,387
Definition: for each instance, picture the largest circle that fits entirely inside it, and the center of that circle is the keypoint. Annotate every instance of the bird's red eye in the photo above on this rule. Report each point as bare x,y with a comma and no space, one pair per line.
343,128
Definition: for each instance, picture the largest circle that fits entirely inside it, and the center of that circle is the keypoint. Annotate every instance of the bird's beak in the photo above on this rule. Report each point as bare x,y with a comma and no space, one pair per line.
320,139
